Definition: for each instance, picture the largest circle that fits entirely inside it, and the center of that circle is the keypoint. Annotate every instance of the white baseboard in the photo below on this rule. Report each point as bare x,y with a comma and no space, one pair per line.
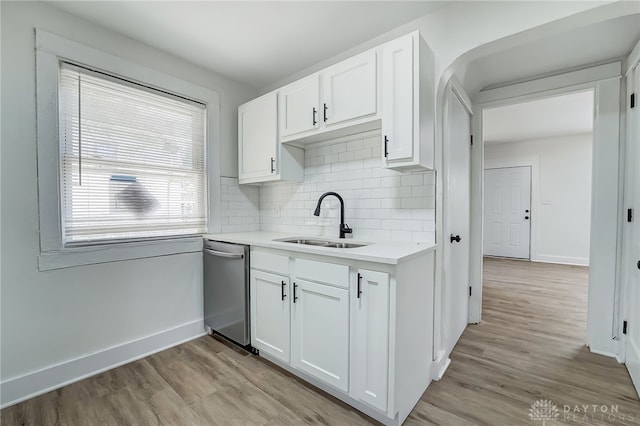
603,353
563,260
439,366
633,365
27,386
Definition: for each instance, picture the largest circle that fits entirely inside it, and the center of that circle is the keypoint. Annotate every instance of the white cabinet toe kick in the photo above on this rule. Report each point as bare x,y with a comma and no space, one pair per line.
360,331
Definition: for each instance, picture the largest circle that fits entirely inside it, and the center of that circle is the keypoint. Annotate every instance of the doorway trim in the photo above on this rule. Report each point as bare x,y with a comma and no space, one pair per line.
532,161
440,354
603,328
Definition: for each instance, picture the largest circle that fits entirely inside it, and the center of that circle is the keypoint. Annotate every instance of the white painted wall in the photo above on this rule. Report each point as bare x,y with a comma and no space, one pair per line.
380,204
562,190
56,316
463,27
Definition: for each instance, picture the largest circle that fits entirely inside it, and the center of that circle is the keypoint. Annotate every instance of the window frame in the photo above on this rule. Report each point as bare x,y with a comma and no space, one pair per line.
50,50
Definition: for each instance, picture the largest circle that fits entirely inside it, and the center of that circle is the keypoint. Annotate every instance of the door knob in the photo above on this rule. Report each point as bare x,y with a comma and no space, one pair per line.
638,264
455,238
526,217
526,211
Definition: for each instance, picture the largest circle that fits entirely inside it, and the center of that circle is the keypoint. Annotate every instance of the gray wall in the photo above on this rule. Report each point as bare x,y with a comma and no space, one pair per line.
54,316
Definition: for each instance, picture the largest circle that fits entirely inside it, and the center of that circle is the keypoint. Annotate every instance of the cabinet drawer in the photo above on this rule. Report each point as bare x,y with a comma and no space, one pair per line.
322,272
270,262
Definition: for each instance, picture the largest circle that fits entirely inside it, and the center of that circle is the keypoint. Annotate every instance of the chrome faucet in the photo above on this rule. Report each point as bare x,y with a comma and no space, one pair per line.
344,229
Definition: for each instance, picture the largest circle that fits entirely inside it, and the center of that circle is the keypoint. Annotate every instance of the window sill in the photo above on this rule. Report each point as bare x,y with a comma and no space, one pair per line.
91,255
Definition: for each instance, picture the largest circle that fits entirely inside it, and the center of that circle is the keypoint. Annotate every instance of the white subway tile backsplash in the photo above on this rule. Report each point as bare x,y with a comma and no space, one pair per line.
401,235
240,206
362,154
412,180
380,204
373,142
338,148
330,159
355,145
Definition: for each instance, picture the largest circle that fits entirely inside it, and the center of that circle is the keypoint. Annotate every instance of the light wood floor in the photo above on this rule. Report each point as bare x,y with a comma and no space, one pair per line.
529,346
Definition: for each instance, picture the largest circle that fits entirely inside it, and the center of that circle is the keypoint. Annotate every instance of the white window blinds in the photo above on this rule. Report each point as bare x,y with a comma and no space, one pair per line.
132,163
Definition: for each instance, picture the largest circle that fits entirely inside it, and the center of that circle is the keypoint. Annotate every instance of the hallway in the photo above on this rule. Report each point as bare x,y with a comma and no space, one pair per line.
529,346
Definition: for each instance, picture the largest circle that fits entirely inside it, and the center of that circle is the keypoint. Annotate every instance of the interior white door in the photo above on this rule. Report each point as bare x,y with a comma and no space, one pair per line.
507,212
632,356
320,332
349,89
456,240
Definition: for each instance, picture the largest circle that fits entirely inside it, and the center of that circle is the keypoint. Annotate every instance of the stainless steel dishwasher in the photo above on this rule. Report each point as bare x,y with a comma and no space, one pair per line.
226,290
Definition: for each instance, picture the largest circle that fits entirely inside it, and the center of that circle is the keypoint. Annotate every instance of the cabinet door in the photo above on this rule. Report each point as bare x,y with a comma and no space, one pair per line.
270,314
397,99
299,106
370,358
349,89
258,138
320,332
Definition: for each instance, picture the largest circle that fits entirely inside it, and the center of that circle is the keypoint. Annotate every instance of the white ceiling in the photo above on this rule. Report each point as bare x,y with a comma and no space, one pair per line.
610,39
543,118
256,43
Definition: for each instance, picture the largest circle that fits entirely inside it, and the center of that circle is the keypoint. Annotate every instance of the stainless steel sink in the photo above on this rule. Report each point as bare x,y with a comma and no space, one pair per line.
344,245
321,243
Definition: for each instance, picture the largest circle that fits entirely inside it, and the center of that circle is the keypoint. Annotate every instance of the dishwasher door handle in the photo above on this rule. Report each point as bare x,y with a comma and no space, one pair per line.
224,254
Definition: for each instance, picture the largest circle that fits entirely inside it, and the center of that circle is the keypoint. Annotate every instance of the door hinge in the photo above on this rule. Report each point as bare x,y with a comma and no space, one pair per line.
470,291
471,137
624,327
632,101
629,215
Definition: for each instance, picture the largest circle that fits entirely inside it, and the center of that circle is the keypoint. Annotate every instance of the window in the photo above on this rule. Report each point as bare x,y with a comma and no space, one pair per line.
132,160
128,158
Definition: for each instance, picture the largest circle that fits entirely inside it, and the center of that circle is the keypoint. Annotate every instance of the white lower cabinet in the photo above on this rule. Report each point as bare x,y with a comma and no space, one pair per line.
270,314
320,332
370,335
363,335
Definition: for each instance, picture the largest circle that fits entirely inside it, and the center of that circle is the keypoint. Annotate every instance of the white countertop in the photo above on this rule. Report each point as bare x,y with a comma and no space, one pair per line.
381,252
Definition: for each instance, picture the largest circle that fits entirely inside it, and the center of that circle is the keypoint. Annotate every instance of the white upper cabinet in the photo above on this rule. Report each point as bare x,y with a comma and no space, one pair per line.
390,87
337,101
349,89
260,156
300,106
258,138
406,82
397,92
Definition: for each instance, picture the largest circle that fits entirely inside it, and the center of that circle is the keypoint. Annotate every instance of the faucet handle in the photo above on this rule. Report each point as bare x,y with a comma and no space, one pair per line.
345,229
